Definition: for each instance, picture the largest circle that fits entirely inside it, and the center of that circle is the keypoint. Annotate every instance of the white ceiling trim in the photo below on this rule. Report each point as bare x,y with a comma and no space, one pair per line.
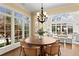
32,7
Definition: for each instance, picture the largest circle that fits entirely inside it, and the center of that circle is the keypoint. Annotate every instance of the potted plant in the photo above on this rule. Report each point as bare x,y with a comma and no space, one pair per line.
40,32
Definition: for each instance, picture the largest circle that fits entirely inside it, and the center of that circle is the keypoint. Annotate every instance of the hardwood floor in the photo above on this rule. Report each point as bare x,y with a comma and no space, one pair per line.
70,50
66,50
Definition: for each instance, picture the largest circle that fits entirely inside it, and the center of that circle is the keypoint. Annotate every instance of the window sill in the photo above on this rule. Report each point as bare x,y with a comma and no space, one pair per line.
9,47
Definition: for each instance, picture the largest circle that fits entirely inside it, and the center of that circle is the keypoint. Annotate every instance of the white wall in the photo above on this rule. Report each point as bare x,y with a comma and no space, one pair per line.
75,22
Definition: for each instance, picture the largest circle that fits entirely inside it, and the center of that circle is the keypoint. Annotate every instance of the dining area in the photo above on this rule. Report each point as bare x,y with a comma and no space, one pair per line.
47,46
39,34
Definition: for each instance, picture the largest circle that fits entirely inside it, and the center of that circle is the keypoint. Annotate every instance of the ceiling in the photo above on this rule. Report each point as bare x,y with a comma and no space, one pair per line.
32,7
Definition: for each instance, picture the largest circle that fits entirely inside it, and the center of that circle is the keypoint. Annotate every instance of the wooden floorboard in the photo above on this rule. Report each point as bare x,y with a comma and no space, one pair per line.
66,50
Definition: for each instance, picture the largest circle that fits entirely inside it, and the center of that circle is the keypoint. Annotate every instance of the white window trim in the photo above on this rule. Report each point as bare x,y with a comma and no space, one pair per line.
13,45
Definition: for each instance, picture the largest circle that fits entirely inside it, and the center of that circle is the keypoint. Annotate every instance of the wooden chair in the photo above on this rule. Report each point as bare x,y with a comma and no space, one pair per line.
32,51
28,50
54,49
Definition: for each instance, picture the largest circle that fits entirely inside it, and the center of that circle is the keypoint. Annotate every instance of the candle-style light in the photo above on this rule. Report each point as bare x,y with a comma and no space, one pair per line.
42,16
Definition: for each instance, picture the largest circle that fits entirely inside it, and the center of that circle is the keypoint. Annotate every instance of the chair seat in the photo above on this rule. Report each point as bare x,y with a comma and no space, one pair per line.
32,51
53,49
29,50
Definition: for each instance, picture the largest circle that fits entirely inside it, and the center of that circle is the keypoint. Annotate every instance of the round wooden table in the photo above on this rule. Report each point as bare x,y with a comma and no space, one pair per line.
40,42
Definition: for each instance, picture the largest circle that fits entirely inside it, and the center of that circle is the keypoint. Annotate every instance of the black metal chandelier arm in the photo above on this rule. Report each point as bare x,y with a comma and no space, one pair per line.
42,17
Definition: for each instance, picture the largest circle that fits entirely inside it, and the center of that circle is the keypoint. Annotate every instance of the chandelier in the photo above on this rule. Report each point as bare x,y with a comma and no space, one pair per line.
42,16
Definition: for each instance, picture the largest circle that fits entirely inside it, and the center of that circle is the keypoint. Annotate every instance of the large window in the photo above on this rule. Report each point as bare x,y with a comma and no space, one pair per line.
60,24
18,26
26,28
5,26
5,30
12,26
62,28
20,23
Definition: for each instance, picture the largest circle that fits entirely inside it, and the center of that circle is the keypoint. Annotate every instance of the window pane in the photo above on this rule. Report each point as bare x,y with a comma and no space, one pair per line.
18,29
5,10
70,29
2,10
8,30
2,40
20,34
18,15
8,11
26,34
64,31
26,28
58,29
53,28
8,20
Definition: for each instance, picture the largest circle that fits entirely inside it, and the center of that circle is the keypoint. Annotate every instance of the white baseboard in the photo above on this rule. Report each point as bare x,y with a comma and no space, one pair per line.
9,47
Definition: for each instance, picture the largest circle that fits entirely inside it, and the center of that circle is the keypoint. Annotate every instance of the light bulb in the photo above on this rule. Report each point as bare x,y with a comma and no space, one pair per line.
58,28
37,13
65,28
45,13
